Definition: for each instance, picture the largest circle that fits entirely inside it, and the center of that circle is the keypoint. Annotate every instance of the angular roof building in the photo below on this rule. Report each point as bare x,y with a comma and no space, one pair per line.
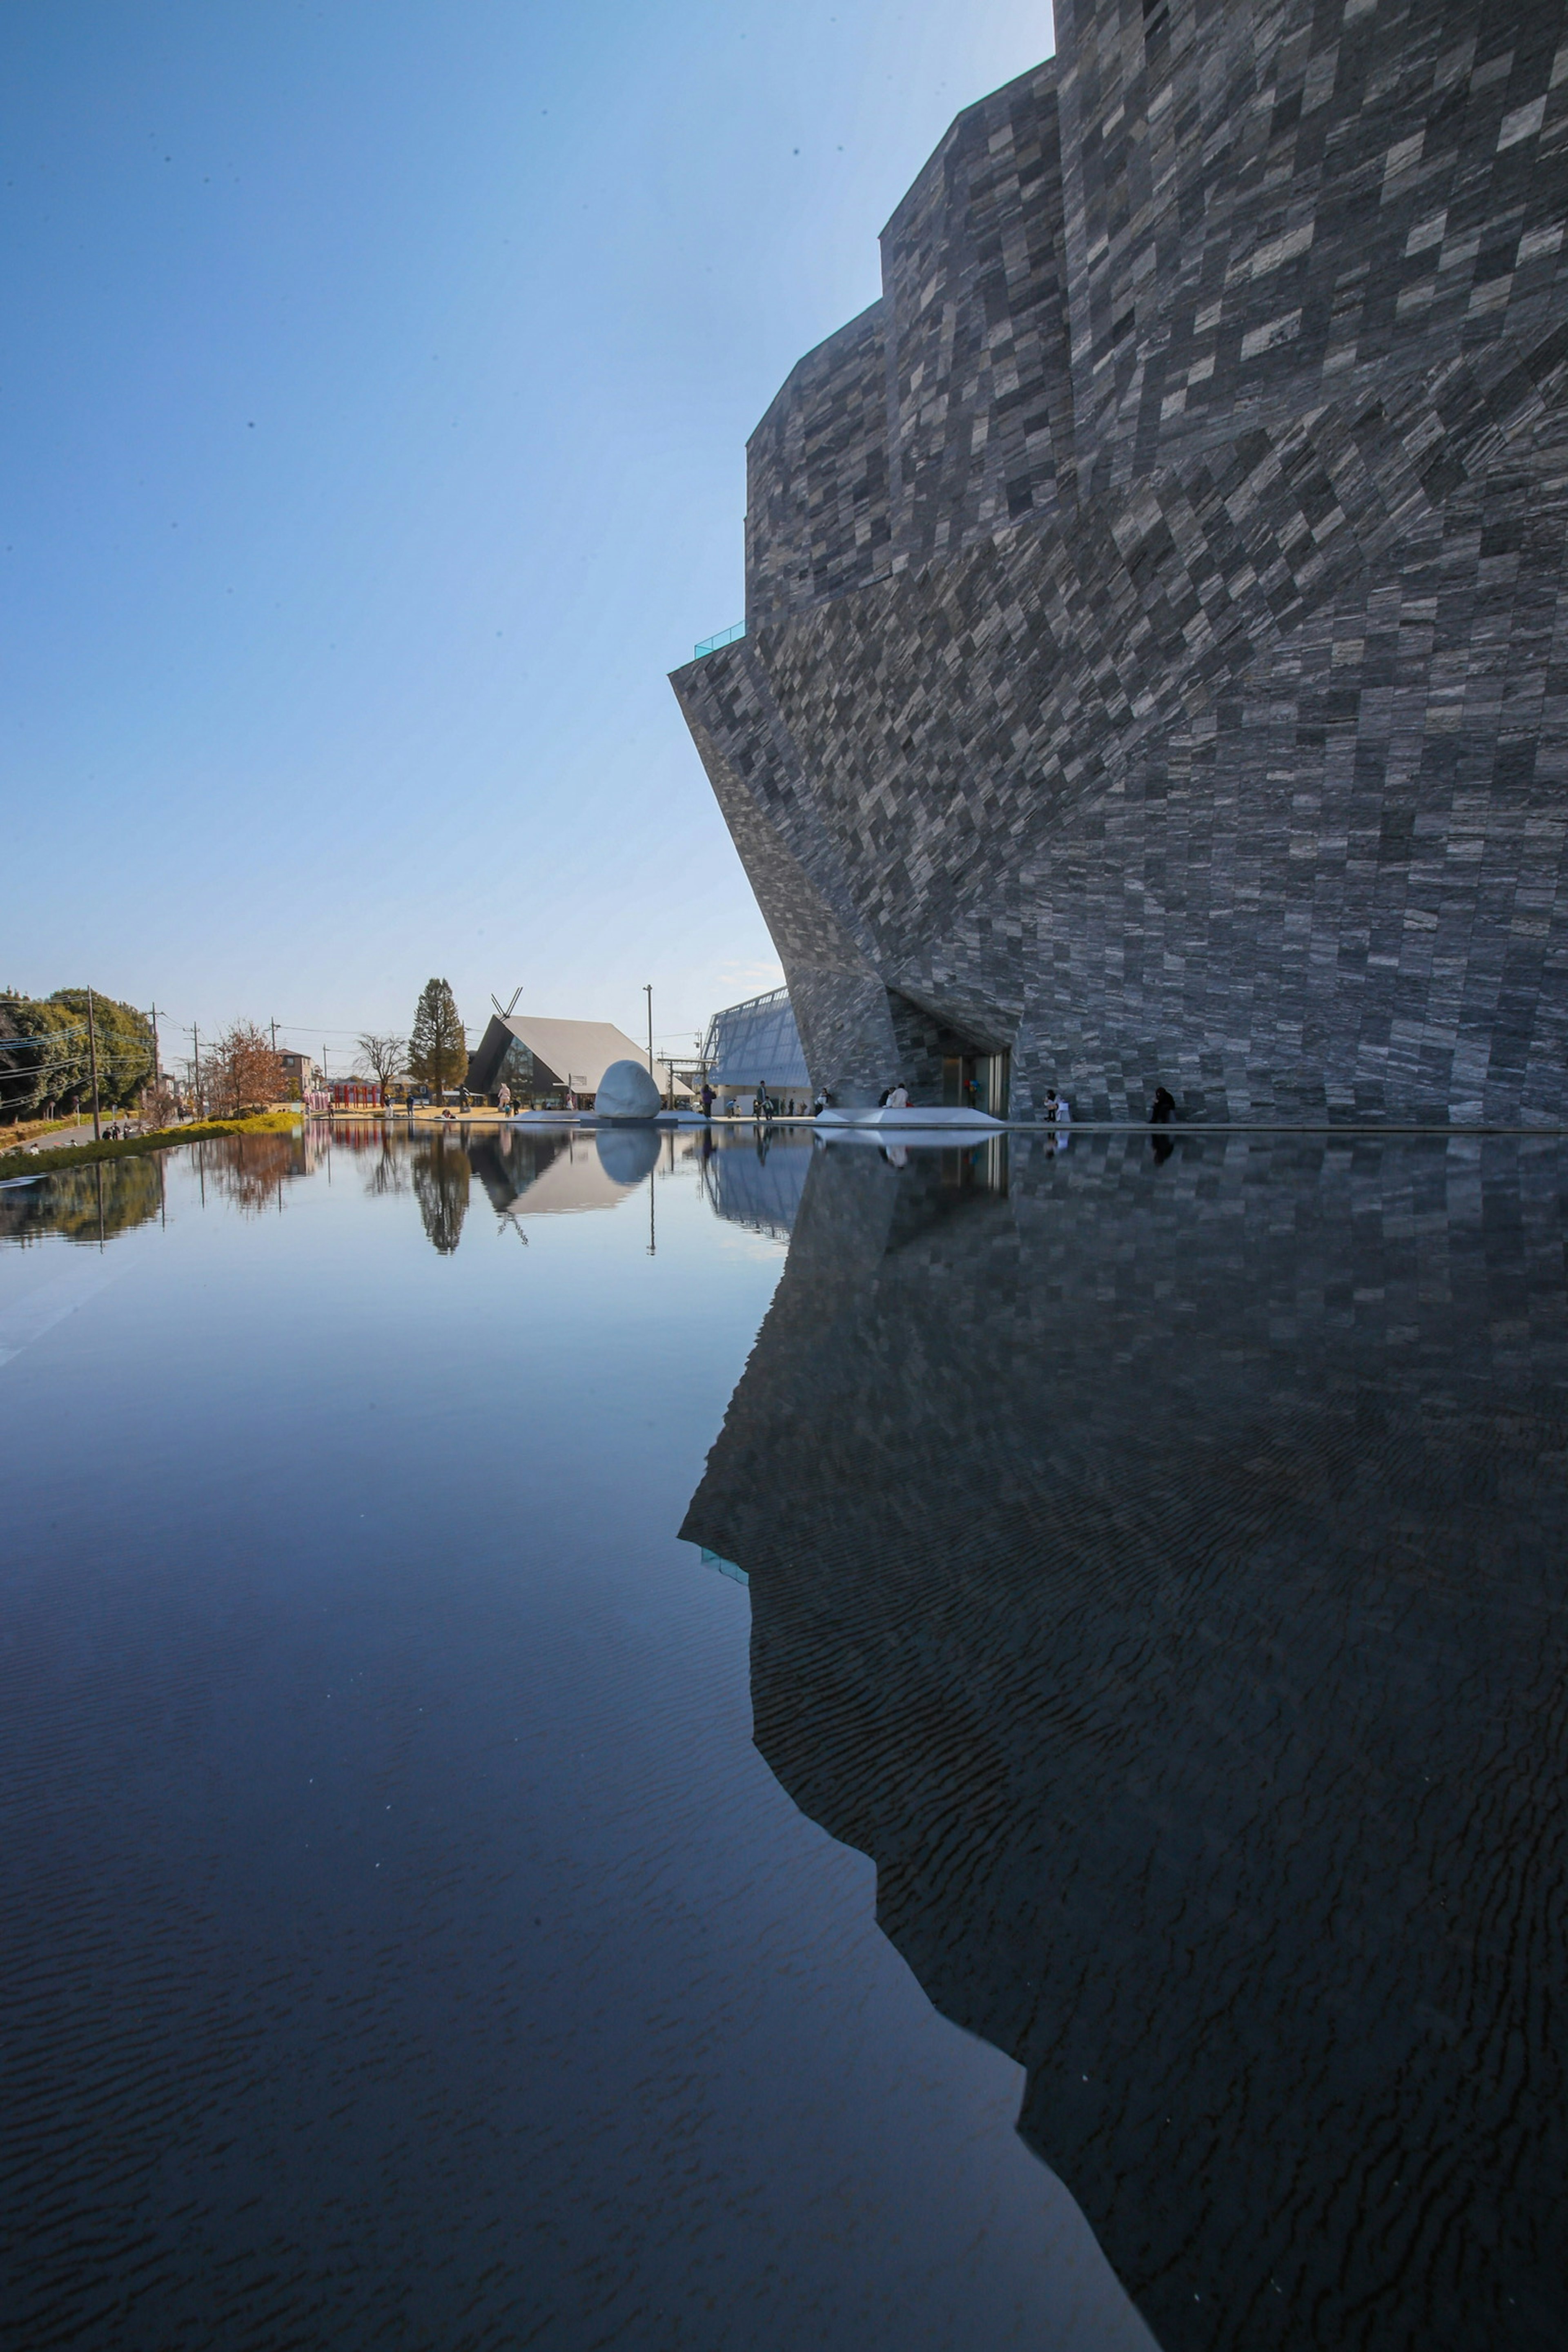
1155,651
534,1053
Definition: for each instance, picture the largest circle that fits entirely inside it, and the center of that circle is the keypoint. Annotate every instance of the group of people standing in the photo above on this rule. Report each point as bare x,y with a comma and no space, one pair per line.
765,1107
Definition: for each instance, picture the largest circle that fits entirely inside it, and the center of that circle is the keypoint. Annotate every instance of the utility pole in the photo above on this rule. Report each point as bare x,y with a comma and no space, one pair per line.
275,1049
92,1059
157,1071
647,991
197,1083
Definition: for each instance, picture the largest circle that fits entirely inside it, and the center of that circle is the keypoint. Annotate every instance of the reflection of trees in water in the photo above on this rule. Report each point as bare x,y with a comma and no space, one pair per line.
85,1205
441,1174
388,1172
252,1169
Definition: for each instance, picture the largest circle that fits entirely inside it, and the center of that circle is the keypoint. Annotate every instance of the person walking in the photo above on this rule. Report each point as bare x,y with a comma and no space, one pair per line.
707,1099
503,1098
1163,1110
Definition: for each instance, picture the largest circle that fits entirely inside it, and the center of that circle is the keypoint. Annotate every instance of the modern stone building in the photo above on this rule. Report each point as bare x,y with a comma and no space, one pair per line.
1156,662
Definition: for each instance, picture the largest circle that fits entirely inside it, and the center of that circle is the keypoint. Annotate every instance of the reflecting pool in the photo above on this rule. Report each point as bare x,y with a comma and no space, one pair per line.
695,1743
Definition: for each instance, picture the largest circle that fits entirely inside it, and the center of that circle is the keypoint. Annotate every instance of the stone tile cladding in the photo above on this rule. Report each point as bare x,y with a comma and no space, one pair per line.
1165,678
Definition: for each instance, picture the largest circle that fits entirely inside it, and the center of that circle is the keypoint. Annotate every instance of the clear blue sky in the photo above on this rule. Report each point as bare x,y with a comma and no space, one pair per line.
373,409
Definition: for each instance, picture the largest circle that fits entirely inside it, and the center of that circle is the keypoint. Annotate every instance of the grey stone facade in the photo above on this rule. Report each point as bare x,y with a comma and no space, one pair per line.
1156,662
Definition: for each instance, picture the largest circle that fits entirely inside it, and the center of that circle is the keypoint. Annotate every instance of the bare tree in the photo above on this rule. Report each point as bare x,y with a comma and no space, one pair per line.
161,1103
383,1057
241,1072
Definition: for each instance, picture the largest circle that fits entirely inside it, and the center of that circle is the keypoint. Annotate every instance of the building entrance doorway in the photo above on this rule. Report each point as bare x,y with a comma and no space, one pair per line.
976,1082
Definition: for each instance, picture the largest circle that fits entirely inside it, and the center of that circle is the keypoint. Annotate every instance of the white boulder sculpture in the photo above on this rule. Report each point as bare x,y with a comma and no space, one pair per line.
626,1092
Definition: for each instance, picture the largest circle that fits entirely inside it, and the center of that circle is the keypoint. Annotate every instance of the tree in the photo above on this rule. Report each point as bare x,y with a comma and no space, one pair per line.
161,1103
240,1071
124,1039
437,1056
42,1060
383,1057
44,1055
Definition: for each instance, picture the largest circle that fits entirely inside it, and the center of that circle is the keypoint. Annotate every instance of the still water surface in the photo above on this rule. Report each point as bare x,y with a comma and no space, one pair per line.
585,1731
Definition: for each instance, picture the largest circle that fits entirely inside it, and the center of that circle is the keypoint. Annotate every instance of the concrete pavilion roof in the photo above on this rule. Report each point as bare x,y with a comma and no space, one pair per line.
575,1052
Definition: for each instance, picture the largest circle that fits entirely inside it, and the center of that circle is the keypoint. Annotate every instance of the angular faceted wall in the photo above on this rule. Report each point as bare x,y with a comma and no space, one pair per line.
1156,665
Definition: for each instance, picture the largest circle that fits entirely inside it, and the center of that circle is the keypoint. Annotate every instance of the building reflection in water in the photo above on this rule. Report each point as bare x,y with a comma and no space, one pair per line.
756,1181
1157,1569
561,1172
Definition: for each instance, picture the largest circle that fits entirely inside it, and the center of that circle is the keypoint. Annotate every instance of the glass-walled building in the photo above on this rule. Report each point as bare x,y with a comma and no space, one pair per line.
756,1044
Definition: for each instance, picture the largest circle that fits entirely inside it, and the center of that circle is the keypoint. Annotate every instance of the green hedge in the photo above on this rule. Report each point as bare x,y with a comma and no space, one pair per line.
74,1155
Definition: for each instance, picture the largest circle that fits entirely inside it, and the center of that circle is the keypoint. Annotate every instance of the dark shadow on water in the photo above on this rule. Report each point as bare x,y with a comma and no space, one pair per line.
1158,1568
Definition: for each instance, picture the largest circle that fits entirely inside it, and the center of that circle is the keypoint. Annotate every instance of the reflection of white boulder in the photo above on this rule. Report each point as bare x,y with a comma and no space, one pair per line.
573,1178
626,1091
629,1153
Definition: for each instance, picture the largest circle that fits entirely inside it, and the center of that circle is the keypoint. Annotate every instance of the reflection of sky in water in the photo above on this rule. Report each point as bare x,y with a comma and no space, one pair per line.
1153,1572
412,1945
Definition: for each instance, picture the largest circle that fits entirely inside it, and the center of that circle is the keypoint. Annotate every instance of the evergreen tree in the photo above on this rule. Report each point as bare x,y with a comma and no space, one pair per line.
438,1057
